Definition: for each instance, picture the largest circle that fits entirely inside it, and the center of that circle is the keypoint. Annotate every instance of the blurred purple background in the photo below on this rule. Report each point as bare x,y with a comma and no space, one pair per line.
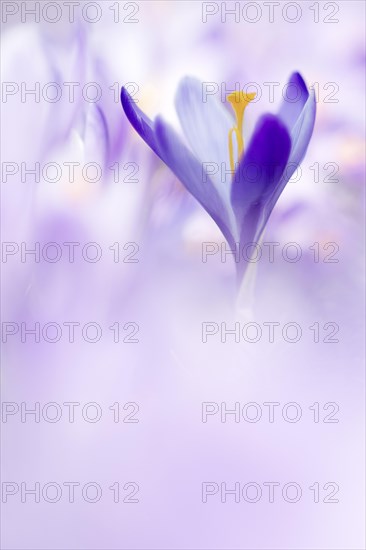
170,292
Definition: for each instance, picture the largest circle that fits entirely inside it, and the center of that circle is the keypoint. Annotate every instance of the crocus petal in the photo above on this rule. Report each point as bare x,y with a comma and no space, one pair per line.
206,124
261,200
303,129
142,124
300,138
290,110
189,171
260,169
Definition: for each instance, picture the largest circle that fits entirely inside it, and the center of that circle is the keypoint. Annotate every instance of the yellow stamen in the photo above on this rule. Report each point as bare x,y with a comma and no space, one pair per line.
238,101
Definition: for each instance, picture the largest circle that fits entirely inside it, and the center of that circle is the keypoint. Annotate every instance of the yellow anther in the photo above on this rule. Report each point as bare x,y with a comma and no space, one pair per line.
238,101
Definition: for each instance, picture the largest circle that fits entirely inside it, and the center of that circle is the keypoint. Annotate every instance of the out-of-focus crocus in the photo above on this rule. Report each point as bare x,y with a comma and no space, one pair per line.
258,175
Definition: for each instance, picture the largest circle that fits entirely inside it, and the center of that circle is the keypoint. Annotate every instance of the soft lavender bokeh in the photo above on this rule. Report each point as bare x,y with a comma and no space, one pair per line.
170,292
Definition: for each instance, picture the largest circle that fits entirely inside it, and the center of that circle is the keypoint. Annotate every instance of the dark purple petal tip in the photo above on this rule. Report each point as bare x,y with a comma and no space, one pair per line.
140,122
295,96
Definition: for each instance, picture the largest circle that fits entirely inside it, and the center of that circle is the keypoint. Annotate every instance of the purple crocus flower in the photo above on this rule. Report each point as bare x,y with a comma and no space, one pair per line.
259,174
